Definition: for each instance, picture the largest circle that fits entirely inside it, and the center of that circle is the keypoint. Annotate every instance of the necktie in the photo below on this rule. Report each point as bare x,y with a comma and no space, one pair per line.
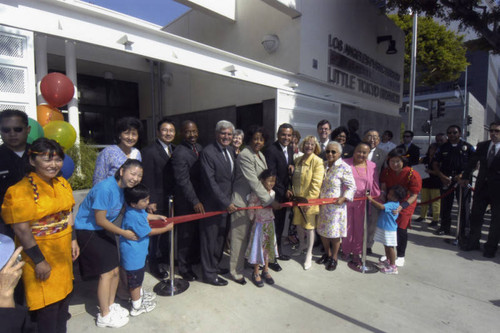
227,158
285,151
169,150
195,151
491,155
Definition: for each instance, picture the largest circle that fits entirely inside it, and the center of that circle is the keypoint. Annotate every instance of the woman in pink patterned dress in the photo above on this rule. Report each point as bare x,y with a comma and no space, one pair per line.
332,221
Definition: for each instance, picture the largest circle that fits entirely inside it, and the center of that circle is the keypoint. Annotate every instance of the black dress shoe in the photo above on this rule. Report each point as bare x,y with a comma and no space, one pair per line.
433,224
275,266
322,260
331,265
219,282
189,276
157,273
257,283
284,257
241,281
222,271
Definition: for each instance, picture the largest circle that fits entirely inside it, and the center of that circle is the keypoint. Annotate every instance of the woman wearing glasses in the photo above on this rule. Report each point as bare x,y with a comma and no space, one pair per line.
332,222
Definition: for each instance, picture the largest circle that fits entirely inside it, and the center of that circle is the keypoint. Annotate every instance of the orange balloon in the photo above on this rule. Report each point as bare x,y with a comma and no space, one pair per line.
46,113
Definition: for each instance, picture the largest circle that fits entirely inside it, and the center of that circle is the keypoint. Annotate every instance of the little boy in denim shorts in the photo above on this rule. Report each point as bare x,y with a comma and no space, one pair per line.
133,252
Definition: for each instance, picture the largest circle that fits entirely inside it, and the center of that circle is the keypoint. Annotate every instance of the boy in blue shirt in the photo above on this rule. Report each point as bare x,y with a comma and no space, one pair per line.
133,253
386,232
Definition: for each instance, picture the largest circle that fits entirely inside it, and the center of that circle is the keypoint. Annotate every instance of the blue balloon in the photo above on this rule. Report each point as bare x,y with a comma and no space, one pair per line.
68,167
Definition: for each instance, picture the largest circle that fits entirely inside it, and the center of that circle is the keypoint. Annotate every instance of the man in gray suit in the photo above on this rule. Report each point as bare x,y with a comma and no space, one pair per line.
217,169
377,156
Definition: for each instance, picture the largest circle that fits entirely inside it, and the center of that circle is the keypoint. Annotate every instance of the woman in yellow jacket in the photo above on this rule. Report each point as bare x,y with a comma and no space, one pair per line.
306,182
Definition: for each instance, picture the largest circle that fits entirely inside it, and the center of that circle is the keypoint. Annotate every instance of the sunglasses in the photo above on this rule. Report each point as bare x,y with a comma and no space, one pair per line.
15,129
331,152
494,130
454,132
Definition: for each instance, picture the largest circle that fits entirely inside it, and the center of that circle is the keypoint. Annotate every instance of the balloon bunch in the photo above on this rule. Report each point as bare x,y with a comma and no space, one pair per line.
58,90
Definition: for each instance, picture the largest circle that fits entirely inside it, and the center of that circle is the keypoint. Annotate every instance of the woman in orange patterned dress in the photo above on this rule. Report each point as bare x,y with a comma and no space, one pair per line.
39,208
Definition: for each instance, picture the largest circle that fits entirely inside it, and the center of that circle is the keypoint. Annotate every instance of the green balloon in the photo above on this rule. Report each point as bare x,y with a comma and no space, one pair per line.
36,130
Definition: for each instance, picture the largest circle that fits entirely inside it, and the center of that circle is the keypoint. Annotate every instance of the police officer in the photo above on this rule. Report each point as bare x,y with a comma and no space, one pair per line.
449,163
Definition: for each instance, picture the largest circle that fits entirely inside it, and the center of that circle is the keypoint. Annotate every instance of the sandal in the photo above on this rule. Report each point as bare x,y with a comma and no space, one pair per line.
257,283
267,277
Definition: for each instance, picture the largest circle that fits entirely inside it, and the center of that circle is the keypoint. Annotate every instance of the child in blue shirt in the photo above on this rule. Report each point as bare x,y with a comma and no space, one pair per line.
386,232
133,253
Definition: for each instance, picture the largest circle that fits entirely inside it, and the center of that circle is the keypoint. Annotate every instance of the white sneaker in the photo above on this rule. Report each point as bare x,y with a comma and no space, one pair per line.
118,309
111,320
148,295
382,259
145,307
400,261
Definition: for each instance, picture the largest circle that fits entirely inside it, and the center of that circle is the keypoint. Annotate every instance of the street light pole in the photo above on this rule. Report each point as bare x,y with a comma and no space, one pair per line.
413,71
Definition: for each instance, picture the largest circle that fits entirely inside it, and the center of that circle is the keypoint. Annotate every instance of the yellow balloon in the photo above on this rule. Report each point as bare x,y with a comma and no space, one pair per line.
62,132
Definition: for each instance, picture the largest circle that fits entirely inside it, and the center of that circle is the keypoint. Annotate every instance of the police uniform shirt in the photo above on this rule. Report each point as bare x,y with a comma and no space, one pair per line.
453,159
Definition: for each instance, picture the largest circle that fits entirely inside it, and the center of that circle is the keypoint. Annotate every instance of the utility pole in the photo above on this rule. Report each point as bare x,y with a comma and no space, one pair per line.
413,71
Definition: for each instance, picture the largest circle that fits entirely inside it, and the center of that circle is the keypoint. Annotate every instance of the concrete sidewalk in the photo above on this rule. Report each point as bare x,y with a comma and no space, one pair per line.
440,289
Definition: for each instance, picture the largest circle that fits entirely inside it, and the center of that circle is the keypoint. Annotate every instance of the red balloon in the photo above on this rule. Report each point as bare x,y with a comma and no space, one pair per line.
57,89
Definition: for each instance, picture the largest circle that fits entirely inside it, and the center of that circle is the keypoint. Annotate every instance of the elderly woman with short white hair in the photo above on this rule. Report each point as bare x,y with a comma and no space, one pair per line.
332,221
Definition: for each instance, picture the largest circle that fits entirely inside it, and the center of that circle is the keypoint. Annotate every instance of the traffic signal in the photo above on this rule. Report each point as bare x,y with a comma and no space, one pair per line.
469,120
440,108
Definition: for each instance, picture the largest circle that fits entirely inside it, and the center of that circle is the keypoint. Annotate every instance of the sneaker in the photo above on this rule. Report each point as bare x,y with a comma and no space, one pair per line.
111,320
420,219
118,309
389,270
400,261
383,258
148,296
145,307
384,263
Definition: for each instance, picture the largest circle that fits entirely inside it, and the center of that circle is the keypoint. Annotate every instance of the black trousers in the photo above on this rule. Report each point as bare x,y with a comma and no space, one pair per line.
53,317
188,245
402,235
212,238
481,201
279,225
447,205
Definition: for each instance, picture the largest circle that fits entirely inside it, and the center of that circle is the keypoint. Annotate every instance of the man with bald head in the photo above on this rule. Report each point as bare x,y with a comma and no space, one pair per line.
377,156
186,169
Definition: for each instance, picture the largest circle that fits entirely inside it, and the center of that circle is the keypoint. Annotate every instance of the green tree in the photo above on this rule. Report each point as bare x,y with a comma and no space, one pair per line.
440,52
483,16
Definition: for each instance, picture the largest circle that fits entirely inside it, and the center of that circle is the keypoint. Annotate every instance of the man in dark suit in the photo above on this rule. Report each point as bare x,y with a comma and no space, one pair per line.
186,169
324,129
410,148
155,158
13,154
377,156
217,165
486,192
279,159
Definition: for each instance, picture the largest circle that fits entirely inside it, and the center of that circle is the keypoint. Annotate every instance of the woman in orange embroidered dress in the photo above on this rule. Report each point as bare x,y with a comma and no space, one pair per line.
39,208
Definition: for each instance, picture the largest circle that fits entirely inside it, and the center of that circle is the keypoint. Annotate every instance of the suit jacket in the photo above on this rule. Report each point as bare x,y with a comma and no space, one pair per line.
185,165
379,156
217,178
276,162
414,152
248,167
308,178
487,175
154,161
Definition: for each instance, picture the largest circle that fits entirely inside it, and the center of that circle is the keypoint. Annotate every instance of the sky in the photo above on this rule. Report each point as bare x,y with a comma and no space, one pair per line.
160,12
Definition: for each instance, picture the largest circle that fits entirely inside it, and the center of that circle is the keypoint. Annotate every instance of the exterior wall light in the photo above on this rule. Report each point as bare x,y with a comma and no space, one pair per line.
270,43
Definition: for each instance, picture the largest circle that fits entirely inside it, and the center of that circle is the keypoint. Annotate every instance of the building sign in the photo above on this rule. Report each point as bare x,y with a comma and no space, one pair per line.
352,69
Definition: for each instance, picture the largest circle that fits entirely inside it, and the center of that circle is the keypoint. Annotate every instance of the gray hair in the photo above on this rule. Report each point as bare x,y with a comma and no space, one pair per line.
239,132
224,124
337,145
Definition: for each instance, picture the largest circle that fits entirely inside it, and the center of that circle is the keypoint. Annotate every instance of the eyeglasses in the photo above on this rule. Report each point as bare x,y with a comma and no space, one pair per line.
333,152
494,130
15,129
454,132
